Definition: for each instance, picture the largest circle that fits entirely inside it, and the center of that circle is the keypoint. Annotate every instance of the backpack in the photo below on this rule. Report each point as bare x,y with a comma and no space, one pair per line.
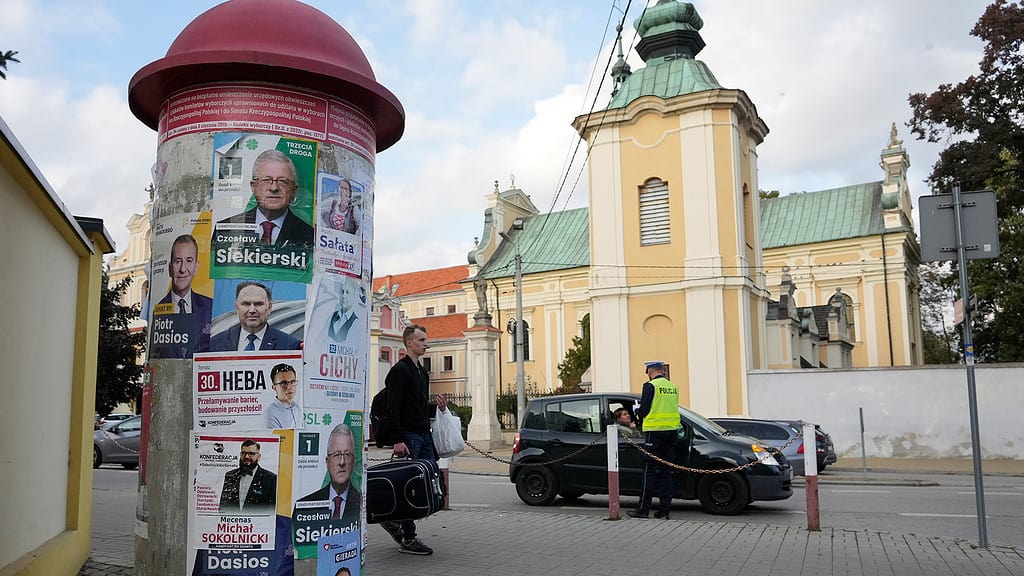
379,409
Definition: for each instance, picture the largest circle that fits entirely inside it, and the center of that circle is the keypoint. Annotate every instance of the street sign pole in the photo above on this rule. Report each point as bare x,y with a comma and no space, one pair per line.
972,395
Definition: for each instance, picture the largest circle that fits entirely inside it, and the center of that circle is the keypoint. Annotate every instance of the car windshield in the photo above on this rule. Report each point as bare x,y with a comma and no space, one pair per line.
702,422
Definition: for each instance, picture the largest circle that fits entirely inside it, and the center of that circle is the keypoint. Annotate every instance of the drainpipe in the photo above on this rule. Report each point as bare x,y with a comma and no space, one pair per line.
888,313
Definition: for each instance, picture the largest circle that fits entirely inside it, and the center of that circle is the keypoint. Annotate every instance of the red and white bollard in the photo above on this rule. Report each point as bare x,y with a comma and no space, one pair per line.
811,477
613,472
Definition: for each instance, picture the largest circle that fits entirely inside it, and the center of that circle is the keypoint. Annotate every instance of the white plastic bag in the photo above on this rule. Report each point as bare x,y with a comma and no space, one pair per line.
447,433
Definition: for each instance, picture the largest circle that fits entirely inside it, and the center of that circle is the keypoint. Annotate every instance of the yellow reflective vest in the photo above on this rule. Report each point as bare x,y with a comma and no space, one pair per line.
664,414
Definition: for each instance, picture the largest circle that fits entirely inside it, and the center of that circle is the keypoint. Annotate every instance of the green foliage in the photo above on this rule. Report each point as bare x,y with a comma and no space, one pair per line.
118,374
576,362
982,118
937,330
765,194
5,57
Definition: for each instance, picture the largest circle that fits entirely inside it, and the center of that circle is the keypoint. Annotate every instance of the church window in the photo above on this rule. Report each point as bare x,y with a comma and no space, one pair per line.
654,216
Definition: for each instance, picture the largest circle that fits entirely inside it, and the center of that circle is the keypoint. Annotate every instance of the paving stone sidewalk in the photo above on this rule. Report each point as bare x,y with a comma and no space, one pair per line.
472,542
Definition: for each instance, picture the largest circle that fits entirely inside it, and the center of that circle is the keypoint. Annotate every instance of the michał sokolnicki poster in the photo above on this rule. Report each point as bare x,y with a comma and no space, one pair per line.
233,503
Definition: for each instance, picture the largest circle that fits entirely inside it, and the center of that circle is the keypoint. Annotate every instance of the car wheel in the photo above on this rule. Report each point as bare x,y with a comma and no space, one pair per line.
723,494
130,466
97,458
536,486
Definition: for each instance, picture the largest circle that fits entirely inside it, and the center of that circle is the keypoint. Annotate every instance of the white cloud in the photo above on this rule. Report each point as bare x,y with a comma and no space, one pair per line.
93,152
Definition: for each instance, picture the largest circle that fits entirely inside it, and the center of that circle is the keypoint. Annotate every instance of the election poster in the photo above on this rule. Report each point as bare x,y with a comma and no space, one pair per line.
338,555
258,315
337,323
233,501
339,248
262,199
328,481
256,391
180,287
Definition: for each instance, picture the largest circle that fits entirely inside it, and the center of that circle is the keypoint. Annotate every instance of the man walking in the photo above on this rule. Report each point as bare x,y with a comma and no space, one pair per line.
659,419
407,425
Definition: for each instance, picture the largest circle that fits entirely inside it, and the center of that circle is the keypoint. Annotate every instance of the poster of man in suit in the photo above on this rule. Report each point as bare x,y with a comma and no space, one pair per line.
264,216
233,495
180,323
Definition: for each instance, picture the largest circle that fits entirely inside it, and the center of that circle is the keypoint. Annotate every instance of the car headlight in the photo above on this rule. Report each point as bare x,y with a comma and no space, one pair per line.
763,455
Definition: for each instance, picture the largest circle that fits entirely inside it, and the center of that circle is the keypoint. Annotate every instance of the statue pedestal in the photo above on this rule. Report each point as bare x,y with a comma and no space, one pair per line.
484,429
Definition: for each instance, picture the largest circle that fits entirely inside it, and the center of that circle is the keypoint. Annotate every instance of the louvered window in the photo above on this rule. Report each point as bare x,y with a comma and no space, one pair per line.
654,222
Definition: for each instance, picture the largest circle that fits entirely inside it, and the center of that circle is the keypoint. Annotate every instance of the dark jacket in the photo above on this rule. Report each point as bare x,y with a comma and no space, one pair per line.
273,339
294,231
353,504
409,391
200,319
262,494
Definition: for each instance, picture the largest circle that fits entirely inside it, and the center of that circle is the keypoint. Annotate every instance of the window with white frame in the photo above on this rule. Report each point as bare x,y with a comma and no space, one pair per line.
526,343
449,363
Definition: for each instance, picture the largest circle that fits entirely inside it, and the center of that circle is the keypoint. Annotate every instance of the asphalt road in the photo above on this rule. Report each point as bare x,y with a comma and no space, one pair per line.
944,507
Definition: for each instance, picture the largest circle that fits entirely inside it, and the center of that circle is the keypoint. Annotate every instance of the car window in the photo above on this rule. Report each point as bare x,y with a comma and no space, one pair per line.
772,432
130,425
574,416
705,427
534,418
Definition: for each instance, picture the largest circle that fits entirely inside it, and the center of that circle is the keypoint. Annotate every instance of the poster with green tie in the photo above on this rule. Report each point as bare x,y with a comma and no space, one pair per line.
262,195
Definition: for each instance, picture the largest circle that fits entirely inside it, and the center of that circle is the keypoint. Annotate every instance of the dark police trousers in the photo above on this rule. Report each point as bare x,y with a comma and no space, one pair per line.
657,476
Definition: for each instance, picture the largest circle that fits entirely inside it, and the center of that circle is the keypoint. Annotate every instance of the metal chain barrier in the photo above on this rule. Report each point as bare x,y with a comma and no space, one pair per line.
717,470
601,440
121,446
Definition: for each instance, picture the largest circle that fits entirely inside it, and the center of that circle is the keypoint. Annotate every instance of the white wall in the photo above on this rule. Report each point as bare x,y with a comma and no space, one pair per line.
37,307
919,412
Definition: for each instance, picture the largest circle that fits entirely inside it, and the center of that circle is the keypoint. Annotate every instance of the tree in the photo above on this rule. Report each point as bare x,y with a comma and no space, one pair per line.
118,373
5,57
577,360
983,119
937,296
767,194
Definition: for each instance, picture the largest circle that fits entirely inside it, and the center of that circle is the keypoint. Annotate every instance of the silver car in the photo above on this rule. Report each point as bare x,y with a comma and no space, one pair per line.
118,443
775,434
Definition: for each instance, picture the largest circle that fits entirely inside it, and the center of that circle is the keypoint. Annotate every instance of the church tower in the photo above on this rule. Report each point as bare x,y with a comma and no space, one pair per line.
675,251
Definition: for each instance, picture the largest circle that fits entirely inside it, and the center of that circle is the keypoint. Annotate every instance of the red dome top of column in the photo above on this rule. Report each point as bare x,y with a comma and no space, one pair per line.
279,41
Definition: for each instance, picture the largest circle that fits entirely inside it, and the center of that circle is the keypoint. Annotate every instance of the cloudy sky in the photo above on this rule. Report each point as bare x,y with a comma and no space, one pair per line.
490,89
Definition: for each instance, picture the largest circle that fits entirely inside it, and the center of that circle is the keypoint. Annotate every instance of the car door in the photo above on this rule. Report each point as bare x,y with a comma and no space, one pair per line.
126,441
572,425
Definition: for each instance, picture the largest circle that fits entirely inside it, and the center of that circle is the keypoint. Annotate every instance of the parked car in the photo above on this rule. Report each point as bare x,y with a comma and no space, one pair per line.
556,428
826,451
779,435
117,443
102,421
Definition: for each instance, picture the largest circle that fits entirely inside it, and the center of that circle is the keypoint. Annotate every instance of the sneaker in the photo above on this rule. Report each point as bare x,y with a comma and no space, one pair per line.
394,529
660,514
636,514
414,546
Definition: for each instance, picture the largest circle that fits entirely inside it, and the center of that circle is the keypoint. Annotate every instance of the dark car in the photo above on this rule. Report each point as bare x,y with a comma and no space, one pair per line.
826,451
117,443
556,428
779,435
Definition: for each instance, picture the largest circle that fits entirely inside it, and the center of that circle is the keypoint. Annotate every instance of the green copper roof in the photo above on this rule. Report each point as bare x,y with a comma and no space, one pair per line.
665,78
669,43
809,217
555,241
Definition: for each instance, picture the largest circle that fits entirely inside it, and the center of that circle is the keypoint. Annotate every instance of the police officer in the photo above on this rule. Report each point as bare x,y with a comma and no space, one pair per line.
659,419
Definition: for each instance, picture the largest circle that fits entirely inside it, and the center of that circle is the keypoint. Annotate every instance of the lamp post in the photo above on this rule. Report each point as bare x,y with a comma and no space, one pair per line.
519,332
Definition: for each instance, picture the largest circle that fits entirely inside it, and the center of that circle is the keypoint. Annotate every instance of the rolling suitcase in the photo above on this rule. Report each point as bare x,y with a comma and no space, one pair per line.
407,489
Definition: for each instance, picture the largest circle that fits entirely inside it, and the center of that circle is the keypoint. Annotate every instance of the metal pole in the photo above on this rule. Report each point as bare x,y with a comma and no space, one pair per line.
863,450
972,396
520,334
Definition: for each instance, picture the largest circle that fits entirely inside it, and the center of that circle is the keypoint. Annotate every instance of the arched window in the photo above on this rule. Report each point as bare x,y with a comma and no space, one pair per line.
385,317
526,343
654,217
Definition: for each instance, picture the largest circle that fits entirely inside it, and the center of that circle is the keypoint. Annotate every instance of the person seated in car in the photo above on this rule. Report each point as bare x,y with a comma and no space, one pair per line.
624,420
